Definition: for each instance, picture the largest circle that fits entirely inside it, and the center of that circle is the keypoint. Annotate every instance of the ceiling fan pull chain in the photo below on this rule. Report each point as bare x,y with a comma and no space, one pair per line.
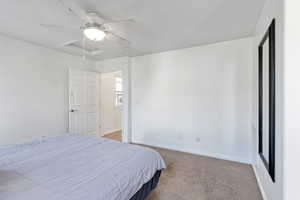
83,49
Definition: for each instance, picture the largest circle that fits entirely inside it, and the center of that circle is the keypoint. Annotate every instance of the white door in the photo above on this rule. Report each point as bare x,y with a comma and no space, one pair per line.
92,103
83,102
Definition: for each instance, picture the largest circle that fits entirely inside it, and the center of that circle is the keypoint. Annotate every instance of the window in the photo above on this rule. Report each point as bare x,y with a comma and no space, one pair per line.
119,91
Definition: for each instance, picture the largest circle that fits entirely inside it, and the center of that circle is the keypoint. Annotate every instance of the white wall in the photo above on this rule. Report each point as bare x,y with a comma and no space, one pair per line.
110,114
271,191
33,90
291,100
195,100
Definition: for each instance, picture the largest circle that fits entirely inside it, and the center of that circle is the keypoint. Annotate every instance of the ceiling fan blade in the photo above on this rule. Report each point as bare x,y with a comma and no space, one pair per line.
118,37
59,27
97,52
118,21
97,17
76,10
69,43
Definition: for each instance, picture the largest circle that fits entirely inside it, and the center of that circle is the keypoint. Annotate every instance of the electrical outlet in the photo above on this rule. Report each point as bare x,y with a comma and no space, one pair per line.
179,137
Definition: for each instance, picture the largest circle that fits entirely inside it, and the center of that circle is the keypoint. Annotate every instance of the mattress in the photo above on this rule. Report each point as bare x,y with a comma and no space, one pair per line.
75,168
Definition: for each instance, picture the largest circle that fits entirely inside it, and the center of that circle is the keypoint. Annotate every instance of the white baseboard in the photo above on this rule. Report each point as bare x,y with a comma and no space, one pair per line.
259,183
198,152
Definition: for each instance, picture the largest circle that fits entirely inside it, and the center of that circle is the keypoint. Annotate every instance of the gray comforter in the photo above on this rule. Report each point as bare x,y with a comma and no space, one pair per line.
75,168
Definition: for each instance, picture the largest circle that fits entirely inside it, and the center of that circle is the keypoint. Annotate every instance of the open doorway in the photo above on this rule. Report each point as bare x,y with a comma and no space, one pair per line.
111,105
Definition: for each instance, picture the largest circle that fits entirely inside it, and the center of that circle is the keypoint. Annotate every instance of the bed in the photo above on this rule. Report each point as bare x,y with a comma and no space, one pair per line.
78,168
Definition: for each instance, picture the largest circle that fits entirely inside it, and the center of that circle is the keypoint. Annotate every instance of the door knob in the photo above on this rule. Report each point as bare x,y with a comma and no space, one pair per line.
72,110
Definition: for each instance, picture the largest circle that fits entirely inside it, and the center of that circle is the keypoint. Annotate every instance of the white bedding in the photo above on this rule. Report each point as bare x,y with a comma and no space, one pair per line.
75,168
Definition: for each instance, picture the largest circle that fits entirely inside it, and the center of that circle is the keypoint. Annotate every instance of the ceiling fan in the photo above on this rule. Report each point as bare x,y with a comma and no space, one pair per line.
94,27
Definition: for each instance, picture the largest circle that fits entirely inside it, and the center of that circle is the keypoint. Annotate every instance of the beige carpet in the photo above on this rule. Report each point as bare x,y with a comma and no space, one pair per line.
192,177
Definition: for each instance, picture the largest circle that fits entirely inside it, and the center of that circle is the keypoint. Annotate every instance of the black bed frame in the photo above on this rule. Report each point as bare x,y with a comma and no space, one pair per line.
147,187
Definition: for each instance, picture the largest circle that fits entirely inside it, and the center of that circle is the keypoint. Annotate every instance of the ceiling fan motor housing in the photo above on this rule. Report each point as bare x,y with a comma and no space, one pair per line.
93,25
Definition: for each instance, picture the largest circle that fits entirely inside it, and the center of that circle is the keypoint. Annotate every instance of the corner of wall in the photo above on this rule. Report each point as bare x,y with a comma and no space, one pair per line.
261,188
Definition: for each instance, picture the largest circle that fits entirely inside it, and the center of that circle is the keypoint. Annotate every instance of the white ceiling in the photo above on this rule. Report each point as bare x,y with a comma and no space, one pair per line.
160,25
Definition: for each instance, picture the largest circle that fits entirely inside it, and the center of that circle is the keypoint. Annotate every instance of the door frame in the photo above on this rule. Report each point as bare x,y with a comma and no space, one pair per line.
124,67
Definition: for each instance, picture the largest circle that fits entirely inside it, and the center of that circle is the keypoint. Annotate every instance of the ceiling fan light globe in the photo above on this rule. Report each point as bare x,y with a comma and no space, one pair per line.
94,34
